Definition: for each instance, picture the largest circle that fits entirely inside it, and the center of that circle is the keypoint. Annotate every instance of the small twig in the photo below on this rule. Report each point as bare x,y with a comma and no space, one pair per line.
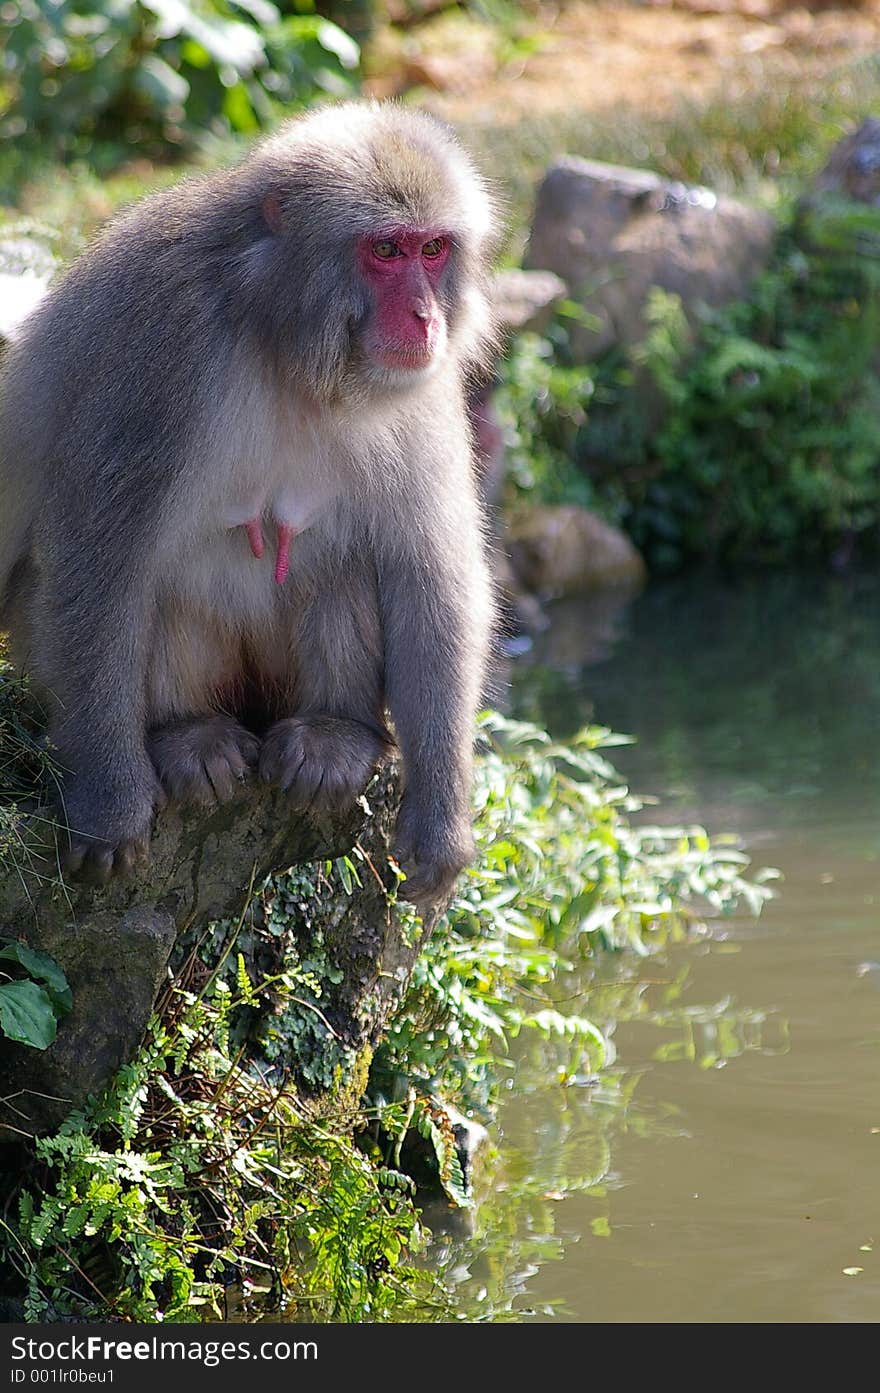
246,1141
233,937
86,1278
369,860
34,1093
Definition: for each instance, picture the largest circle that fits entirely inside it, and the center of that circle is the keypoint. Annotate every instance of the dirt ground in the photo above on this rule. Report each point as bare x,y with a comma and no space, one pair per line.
587,56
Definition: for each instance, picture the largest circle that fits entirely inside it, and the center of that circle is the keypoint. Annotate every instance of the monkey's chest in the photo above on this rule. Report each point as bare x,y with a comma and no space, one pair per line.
252,546
274,521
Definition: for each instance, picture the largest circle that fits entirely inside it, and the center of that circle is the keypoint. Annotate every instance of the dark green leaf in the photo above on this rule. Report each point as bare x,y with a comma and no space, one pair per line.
27,1014
44,969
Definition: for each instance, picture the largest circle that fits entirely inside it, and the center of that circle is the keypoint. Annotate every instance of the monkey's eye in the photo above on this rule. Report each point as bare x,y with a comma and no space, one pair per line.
435,247
385,250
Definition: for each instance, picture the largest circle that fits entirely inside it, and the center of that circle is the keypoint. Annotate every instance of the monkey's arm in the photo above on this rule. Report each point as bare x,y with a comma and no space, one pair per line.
92,633
436,614
100,399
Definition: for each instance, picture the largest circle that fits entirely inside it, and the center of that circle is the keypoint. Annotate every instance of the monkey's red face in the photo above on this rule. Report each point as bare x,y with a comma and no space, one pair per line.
402,268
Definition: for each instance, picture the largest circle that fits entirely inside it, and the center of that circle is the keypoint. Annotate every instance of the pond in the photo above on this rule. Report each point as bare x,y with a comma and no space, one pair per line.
726,1167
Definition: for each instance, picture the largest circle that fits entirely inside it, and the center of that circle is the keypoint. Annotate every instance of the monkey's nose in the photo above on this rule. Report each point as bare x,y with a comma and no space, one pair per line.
422,310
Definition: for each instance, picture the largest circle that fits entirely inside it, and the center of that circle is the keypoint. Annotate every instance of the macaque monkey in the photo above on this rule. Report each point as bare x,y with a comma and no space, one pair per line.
238,525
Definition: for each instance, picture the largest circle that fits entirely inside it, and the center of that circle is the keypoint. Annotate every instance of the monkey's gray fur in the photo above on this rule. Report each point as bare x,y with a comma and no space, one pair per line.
205,353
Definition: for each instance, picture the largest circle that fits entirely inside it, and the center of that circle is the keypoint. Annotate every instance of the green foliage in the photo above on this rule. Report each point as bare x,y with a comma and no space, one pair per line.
193,1171
562,869
31,1007
429,1116
204,1166
767,447
542,404
771,448
280,943
77,70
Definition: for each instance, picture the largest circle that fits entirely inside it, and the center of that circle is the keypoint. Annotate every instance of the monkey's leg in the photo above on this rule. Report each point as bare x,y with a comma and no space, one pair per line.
326,754
200,755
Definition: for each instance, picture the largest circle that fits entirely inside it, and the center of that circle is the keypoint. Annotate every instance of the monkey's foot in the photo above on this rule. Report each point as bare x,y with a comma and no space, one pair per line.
203,761
323,762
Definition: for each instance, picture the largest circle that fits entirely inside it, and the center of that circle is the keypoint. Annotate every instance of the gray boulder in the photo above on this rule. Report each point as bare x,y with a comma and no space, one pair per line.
853,168
613,233
525,300
566,550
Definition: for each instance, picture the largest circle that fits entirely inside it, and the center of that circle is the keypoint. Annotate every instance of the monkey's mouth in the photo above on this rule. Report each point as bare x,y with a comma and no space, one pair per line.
407,358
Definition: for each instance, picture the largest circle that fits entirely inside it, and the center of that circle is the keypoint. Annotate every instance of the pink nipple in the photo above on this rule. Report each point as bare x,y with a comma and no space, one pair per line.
282,556
254,530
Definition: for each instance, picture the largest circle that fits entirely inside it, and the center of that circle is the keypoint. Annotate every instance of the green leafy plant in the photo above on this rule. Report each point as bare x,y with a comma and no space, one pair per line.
770,447
80,70
543,404
192,1170
31,1006
565,867
751,437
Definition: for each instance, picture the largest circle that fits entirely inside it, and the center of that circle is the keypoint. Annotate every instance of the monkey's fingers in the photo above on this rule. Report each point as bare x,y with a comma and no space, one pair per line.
322,762
130,858
226,771
96,863
204,761
73,855
432,858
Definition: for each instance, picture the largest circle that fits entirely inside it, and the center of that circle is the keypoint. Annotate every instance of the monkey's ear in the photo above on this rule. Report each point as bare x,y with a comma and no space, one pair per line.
273,212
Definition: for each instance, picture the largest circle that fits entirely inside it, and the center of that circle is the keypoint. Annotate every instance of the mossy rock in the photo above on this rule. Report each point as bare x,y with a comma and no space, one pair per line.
115,943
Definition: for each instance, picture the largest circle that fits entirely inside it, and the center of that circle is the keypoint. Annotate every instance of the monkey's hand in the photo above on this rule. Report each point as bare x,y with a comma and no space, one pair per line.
432,848
108,830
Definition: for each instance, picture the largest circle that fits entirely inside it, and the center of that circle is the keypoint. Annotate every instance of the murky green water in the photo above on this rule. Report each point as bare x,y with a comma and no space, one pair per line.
728,1167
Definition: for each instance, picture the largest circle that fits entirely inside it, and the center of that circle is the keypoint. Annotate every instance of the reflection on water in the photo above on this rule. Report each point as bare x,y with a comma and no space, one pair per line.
726,1168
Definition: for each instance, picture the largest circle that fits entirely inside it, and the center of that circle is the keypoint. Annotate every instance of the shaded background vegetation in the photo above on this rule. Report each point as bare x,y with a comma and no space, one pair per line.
768,450
100,99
